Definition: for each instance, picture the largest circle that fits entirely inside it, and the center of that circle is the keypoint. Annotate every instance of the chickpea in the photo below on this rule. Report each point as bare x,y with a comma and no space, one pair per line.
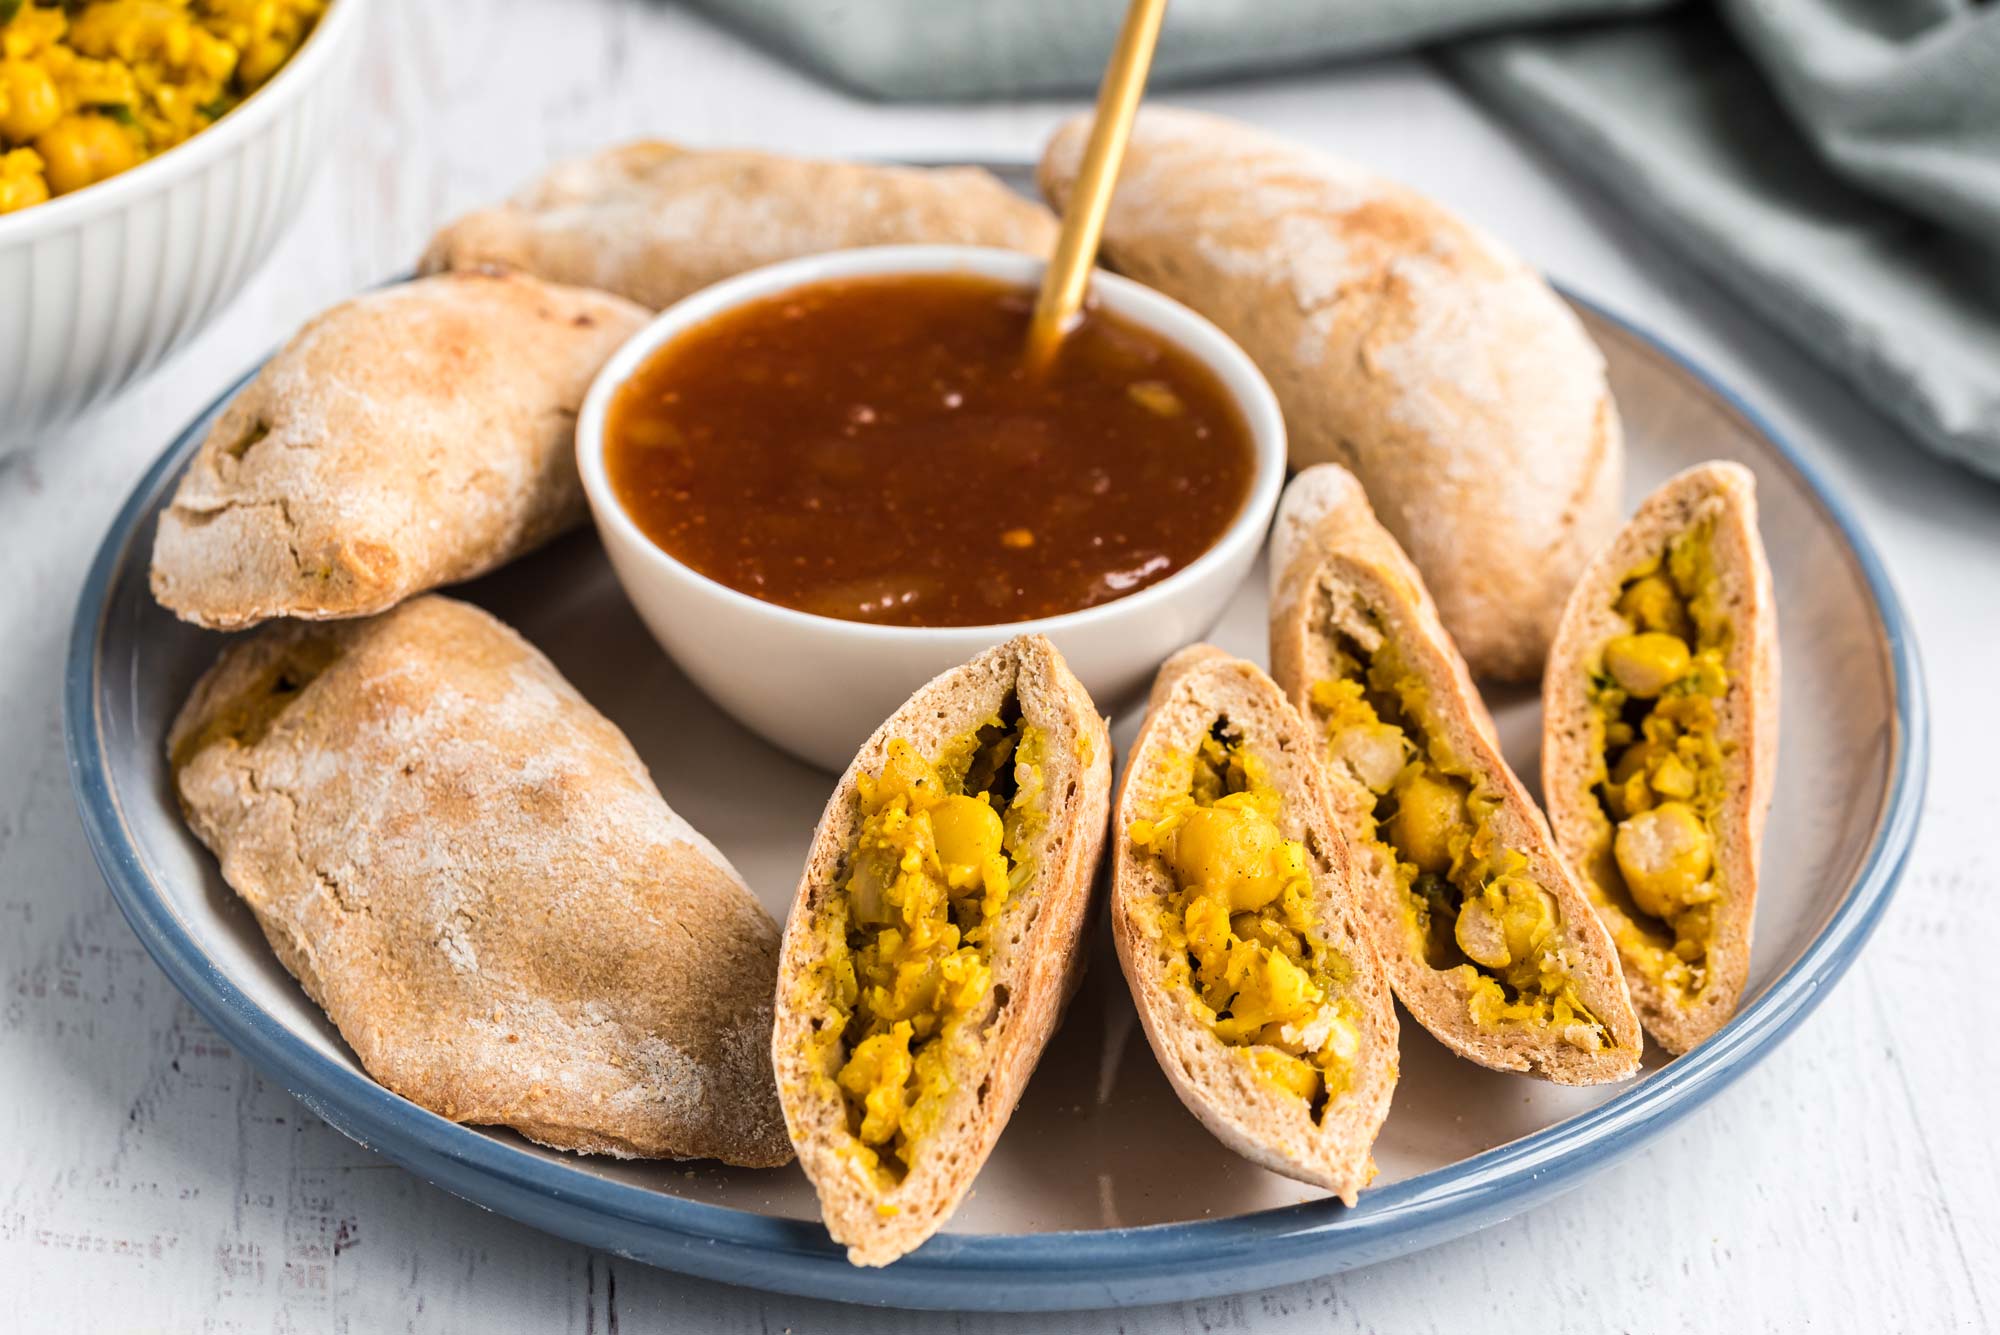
1481,936
1528,919
21,183
29,103
260,60
1376,752
1647,663
1430,818
1233,850
1653,603
211,55
967,831
1627,790
1665,857
82,149
1203,847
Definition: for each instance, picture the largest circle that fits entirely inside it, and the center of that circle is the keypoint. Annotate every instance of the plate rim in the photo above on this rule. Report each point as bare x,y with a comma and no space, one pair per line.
1023,1271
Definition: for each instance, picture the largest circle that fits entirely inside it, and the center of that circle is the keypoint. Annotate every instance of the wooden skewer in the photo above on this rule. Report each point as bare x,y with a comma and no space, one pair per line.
1068,276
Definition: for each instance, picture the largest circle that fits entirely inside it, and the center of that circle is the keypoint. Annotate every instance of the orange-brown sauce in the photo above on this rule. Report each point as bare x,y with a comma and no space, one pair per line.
874,449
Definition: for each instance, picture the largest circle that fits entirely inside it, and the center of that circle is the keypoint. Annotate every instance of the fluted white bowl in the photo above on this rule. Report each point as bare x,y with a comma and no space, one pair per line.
99,286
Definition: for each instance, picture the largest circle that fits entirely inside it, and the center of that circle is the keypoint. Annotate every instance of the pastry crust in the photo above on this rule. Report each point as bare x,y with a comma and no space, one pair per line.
468,868
1037,954
1747,720
654,221
1403,343
1246,1112
1333,566
415,436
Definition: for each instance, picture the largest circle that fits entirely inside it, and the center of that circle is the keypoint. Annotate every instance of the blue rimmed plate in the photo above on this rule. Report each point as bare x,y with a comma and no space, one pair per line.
1104,1190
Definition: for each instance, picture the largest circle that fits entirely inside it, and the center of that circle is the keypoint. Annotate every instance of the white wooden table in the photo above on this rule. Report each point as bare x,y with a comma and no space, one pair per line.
149,1179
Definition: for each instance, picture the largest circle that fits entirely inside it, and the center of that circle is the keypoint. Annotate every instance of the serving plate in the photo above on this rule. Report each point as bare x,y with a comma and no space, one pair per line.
1104,1190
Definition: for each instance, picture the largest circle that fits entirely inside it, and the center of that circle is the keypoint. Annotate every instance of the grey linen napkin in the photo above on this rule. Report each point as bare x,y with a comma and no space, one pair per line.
1837,162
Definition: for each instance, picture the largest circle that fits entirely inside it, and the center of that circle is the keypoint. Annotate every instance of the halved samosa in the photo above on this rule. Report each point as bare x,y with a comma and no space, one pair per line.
1486,936
936,937
1236,924
468,868
654,221
1660,736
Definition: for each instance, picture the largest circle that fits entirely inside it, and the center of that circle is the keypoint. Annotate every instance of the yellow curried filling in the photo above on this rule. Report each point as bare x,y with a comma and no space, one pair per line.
1472,907
1243,931
90,89
1657,777
908,948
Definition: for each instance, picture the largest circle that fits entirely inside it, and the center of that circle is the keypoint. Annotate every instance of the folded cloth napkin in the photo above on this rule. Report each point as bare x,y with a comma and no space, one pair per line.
1837,162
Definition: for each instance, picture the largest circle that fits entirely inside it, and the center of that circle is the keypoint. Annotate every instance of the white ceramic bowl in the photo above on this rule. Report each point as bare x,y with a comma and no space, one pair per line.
99,286
818,686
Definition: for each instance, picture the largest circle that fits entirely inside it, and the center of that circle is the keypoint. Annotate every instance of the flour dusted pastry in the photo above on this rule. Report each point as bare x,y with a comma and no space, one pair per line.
936,937
1487,938
1403,343
469,869
1660,736
654,221
415,436
1238,929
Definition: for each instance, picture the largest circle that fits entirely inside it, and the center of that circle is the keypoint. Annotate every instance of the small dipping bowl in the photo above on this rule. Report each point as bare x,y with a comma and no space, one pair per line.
818,686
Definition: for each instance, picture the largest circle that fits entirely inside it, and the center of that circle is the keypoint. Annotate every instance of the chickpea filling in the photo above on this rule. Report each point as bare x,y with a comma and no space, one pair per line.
1243,930
910,930
1658,777
91,88
1473,909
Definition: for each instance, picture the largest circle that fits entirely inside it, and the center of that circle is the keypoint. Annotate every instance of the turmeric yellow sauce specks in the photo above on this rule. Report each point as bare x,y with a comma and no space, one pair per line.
1244,931
1473,908
1658,777
909,933
88,90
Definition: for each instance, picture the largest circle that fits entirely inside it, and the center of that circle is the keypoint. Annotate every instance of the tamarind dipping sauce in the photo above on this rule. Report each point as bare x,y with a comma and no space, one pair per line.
877,449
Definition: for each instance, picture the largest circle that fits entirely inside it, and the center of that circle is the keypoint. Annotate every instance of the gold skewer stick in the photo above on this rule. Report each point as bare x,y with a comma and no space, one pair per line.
1068,274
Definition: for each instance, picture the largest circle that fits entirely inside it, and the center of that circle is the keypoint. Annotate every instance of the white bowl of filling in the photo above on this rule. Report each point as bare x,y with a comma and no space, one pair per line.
823,482
150,157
